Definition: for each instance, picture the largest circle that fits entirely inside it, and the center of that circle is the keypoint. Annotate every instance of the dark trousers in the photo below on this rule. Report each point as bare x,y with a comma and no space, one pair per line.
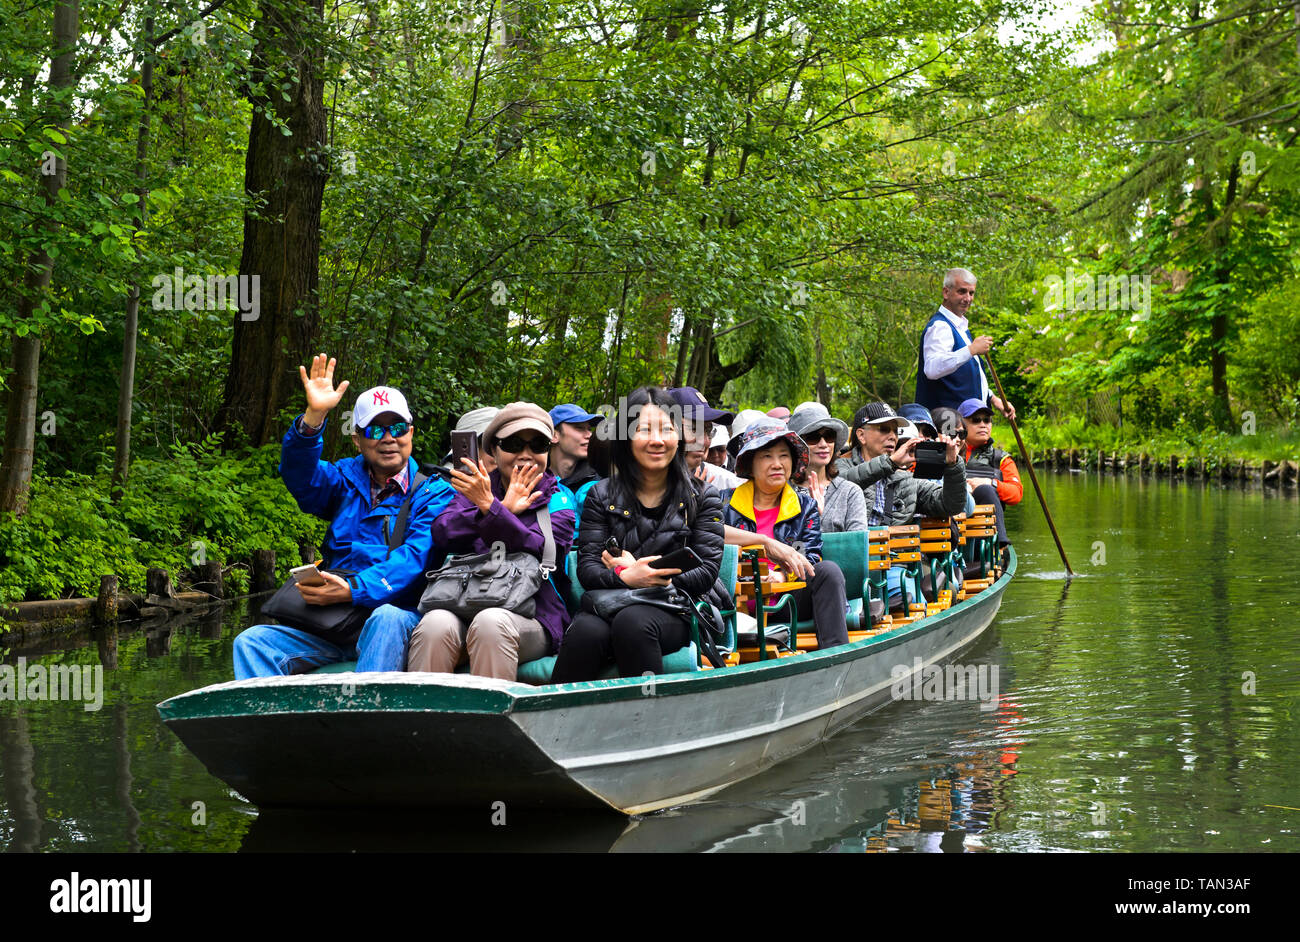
988,494
636,640
824,596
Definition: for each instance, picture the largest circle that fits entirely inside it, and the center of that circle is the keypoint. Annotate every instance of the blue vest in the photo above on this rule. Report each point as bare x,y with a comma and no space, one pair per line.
952,390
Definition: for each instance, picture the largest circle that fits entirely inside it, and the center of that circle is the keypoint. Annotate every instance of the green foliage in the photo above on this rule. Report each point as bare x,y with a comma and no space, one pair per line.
194,500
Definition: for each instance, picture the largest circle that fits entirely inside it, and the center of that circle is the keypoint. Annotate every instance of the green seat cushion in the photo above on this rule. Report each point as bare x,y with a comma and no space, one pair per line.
342,667
849,552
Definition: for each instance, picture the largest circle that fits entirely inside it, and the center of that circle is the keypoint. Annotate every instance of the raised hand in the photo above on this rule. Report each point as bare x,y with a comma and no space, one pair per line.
520,495
321,394
953,444
981,345
905,453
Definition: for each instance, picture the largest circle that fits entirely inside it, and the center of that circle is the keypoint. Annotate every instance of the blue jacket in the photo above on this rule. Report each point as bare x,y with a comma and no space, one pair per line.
340,493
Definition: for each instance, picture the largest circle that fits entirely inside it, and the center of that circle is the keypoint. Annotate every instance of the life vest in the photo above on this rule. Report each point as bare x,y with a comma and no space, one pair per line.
986,462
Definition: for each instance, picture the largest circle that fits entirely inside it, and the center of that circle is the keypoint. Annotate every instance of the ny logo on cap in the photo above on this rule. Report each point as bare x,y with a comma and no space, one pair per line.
381,398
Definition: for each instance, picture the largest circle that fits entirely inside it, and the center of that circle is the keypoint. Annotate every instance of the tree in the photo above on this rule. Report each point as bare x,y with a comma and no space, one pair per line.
20,422
285,174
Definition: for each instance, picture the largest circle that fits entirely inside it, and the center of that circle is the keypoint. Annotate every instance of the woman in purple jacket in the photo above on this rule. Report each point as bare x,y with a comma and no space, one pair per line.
488,510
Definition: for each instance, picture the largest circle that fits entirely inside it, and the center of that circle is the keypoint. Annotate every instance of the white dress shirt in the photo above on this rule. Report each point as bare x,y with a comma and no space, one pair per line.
941,359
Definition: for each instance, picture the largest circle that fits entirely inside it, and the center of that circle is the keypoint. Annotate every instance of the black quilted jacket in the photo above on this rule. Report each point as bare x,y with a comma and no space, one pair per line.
641,536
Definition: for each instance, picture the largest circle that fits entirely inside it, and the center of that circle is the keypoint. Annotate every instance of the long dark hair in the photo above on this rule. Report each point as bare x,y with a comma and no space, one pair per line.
625,473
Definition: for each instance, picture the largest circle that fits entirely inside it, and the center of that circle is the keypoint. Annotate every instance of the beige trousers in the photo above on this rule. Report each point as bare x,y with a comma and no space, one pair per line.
496,640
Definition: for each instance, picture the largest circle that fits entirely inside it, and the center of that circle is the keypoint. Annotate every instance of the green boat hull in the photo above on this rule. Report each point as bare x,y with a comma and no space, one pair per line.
633,745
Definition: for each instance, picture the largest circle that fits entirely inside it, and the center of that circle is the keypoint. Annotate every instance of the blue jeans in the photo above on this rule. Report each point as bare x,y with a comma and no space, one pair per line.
276,650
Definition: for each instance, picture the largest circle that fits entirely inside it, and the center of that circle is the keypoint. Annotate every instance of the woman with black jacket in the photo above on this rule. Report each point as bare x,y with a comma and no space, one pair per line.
649,507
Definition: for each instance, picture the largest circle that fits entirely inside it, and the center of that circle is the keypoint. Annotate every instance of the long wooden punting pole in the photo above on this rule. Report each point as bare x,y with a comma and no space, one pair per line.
1030,466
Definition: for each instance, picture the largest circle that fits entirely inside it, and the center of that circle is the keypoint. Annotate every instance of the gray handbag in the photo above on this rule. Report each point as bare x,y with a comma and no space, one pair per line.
466,585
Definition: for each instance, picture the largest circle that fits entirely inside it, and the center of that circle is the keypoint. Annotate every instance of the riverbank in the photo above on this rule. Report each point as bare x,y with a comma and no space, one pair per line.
1269,457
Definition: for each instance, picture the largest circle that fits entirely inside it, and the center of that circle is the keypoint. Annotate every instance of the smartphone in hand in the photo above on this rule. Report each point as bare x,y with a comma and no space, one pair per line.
464,444
684,559
307,575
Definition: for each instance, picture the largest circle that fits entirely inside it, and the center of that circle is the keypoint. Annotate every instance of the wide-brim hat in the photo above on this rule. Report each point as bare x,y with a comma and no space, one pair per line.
518,417
761,434
811,416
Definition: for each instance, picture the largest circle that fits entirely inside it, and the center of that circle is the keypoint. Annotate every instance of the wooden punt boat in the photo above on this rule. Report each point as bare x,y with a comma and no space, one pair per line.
631,744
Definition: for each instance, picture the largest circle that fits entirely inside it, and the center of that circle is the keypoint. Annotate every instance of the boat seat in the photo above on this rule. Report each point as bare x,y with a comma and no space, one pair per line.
848,550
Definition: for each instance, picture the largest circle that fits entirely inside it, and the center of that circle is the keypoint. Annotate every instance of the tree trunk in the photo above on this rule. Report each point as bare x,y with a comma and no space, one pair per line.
126,386
20,419
284,177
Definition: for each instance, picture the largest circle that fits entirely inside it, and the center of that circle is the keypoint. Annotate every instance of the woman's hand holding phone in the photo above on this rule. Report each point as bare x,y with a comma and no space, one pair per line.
640,575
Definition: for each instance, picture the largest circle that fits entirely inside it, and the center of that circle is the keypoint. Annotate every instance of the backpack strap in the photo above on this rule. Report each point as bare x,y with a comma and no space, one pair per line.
398,536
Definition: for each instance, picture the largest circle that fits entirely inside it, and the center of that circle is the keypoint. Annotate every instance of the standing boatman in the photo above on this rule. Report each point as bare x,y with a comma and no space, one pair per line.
948,370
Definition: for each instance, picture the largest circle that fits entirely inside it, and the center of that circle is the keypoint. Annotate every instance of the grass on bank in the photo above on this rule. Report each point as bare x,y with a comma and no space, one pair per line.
1217,448
196,504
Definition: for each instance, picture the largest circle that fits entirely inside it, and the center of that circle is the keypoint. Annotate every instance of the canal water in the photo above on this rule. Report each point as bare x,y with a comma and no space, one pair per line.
1148,704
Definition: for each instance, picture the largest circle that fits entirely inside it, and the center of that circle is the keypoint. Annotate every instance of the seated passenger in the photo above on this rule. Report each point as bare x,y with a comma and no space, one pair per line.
501,506
361,497
717,454
697,427
649,506
879,466
920,417
991,473
841,504
768,511
574,427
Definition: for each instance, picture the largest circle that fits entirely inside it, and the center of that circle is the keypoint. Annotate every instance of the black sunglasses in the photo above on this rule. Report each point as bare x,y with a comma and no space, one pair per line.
820,435
538,445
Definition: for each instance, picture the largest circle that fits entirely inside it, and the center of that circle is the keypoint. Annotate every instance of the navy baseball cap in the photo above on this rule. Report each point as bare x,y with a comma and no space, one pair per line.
919,416
696,408
971,406
568,412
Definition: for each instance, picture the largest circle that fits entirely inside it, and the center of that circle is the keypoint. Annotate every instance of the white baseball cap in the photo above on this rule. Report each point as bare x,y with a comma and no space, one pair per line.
376,401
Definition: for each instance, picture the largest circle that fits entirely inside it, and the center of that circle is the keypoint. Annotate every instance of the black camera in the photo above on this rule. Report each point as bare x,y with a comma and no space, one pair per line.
930,459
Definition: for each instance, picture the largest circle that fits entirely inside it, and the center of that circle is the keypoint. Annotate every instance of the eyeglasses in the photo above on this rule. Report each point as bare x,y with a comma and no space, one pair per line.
515,444
819,435
376,432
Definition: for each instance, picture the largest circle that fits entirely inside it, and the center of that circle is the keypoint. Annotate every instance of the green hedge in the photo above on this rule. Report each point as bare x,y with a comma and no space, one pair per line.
196,501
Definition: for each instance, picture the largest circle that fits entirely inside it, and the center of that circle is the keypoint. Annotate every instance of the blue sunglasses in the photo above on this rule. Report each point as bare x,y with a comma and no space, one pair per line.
376,432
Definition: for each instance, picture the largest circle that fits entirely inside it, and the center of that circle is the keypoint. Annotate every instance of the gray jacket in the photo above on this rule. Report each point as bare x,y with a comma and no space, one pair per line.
843,507
905,496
